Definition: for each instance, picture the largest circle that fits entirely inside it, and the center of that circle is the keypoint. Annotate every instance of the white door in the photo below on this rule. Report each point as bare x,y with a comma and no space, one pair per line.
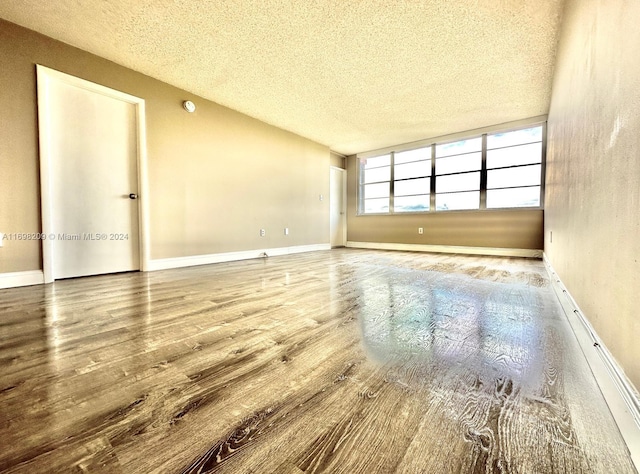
89,145
338,221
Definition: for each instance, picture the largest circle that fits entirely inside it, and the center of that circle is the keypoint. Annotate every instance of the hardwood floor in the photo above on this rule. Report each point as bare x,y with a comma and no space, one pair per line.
344,361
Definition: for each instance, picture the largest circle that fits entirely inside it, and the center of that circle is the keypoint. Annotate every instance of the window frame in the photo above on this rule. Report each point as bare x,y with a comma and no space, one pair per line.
459,173
433,177
362,184
394,180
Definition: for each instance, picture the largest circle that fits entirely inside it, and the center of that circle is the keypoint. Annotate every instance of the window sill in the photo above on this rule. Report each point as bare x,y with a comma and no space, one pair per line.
455,211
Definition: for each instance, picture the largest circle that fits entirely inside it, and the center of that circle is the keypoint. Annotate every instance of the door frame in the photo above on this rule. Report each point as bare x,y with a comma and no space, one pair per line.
45,76
343,213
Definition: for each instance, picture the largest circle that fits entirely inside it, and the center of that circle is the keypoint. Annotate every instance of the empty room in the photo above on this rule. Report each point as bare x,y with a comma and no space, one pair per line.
319,236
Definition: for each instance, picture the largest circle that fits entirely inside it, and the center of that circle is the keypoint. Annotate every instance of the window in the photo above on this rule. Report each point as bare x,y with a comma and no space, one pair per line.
514,168
491,171
458,167
412,180
375,178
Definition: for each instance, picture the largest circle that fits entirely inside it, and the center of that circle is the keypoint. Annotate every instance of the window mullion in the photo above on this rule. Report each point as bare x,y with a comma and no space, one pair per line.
483,174
543,163
391,184
432,181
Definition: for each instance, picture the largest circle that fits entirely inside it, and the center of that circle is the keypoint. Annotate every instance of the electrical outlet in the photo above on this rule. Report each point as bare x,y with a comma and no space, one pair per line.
263,232
420,230
321,197
286,231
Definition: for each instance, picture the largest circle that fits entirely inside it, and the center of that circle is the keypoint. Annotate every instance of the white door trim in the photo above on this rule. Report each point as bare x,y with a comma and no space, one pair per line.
343,214
45,76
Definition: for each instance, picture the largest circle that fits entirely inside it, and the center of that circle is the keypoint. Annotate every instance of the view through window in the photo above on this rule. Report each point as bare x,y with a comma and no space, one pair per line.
514,168
411,185
491,171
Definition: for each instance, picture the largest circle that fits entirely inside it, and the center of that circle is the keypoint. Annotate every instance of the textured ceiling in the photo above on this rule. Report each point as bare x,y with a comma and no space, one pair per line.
353,75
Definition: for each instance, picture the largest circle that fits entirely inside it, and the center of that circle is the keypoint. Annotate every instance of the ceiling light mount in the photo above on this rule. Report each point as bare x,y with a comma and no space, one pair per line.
189,106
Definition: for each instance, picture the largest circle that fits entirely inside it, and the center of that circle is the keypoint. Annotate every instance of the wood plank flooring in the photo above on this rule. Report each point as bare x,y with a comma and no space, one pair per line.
343,361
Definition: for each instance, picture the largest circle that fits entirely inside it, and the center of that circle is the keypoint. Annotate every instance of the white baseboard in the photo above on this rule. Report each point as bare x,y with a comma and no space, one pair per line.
502,252
14,279
178,262
619,393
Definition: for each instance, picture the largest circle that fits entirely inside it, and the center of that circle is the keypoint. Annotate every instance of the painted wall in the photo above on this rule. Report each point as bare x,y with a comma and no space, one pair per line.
337,160
593,171
517,229
216,176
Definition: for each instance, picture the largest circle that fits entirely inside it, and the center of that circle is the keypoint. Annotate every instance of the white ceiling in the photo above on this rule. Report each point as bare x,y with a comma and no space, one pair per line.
353,75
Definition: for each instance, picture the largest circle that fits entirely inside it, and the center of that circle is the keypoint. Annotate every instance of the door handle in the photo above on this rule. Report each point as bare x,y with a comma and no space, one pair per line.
133,196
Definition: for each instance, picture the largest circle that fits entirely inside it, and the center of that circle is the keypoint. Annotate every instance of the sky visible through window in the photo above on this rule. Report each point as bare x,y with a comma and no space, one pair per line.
511,175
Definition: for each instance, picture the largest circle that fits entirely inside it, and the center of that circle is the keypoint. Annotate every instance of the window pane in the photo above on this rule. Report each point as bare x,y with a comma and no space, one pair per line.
384,160
512,177
457,148
453,201
458,182
376,205
514,162
417,169
516,137
411,203
458,164
517,155
411,186
516,197
377,174
376,190
412,155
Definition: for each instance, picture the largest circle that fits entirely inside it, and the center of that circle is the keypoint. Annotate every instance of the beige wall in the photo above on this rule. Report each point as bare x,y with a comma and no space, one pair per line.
216,176
337,160
593,170
518,229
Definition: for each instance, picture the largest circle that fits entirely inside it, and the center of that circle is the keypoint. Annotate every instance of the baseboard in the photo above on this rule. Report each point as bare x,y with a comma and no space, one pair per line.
502,252
619,393
179,262
15,279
